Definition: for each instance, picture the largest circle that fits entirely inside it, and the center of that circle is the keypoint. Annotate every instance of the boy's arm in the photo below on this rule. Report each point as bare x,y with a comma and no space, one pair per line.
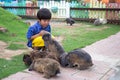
41,33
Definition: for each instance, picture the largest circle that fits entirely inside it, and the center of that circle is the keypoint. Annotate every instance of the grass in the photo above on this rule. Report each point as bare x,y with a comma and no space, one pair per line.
8,67
16,34
84,34
14,46
78,36
16,28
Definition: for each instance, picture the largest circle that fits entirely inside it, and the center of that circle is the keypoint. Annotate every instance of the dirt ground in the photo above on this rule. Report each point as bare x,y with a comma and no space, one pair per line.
6,53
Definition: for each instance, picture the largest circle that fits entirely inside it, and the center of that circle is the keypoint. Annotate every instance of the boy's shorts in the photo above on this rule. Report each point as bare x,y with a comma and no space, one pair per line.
38,42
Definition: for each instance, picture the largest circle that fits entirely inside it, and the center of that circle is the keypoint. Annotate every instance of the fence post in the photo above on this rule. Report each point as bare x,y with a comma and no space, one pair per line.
67,10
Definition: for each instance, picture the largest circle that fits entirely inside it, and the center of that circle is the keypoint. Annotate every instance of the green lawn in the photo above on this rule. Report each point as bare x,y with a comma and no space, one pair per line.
8,67
16,28
84,34
78,36
16,34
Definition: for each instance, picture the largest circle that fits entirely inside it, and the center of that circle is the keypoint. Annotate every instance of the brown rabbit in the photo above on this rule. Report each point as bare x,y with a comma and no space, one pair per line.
49,67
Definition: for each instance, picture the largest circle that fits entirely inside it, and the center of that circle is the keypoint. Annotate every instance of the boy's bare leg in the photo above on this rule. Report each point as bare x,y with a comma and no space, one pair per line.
35,48
43,48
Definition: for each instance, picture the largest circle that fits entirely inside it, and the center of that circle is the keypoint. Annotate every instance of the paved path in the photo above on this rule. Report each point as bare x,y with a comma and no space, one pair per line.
105,54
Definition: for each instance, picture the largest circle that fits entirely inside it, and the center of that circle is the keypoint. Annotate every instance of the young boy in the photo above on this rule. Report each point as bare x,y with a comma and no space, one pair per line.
36,31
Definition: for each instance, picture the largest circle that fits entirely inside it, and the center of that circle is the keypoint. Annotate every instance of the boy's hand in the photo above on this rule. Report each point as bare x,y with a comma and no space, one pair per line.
41,33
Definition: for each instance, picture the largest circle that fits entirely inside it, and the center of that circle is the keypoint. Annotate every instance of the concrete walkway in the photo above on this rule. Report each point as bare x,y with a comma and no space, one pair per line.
105,54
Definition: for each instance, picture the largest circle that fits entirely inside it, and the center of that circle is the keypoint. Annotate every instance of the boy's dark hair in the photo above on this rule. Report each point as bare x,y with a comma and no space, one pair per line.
43,13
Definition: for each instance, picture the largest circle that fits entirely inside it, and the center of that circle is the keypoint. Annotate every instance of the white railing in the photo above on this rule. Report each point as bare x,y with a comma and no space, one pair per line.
63,8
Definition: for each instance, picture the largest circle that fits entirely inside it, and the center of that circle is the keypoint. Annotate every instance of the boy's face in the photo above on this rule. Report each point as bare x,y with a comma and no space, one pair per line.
44,22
